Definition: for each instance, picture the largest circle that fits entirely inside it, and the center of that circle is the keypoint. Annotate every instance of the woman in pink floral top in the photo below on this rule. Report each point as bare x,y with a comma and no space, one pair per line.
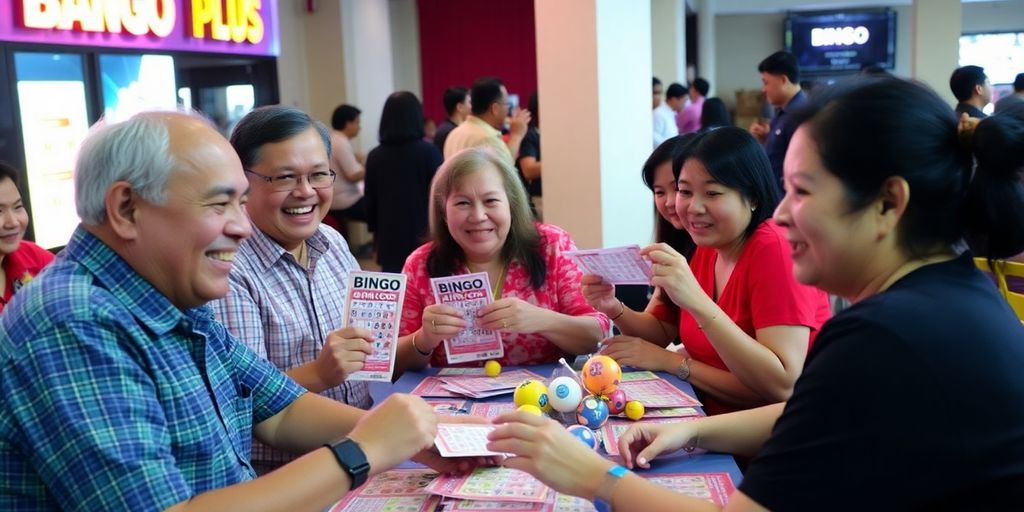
480,222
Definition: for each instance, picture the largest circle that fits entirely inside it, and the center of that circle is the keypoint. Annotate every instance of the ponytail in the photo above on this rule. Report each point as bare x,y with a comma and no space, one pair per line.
993,212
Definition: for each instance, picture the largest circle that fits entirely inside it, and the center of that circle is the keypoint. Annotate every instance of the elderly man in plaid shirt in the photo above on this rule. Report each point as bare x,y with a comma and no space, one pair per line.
121,391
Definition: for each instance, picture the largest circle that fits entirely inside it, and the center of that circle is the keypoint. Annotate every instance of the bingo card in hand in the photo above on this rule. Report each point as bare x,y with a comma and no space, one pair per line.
468,293
375,303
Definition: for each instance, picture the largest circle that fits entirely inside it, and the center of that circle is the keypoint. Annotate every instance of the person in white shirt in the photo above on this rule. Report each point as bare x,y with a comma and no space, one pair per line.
348,200
665,112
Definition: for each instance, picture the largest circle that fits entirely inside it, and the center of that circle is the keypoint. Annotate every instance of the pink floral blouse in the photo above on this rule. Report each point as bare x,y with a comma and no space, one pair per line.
560,292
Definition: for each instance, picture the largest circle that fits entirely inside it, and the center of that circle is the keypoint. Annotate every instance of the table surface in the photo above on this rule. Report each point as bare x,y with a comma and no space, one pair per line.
679,462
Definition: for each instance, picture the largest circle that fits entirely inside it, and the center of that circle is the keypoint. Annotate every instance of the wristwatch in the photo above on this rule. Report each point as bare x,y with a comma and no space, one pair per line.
683,372
352,459
616,472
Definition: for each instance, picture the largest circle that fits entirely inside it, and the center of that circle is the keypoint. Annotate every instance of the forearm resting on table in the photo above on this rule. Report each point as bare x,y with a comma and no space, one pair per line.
768,364
738,433
644,325
573,334
311,482
722,385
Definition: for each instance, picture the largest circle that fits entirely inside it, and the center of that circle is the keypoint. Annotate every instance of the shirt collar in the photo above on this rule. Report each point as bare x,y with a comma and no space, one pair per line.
795,101
268,252
153,309
483,124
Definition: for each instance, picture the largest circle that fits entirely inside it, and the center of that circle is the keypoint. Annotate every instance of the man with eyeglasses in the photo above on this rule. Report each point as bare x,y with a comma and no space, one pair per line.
287,284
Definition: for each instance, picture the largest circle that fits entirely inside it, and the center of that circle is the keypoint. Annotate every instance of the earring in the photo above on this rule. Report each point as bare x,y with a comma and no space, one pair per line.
753,208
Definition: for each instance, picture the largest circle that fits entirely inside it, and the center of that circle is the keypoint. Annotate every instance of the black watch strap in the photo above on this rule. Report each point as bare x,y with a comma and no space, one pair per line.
352,459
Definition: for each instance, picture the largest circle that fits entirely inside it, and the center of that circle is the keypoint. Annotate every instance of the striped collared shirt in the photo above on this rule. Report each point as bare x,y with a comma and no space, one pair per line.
284,311
114,399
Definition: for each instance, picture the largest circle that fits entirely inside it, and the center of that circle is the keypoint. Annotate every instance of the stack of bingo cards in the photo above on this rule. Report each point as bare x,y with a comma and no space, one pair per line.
468,293
375,303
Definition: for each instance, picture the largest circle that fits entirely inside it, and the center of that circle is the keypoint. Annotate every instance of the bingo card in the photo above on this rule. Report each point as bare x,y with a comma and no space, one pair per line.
374,303
468,293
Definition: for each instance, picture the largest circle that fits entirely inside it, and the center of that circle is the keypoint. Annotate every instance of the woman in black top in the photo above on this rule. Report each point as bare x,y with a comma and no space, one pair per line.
398,174
911,399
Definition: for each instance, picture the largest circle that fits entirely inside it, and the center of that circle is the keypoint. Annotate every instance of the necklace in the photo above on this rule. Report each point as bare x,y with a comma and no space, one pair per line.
499,283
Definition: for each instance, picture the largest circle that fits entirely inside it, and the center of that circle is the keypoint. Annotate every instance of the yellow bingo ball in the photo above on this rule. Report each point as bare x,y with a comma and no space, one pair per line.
532,392
492,368
530,408
634,410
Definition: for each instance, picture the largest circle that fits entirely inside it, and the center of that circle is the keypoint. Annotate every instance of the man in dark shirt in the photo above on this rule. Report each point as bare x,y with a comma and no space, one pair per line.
972,90
780,79
456,104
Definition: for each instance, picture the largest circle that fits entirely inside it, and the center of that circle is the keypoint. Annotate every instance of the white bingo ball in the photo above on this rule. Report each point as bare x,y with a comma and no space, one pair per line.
565,394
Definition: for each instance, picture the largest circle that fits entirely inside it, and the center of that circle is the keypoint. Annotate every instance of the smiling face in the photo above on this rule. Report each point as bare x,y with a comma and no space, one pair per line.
665,194
13,218
478,215
831,245
184,247
716,216
290,217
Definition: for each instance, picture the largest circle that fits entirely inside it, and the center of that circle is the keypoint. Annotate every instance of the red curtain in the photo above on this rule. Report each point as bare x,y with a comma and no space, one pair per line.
462,40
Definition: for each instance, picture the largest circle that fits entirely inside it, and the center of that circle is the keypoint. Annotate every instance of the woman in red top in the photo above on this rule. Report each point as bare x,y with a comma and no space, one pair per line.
745,322
20,261
480,221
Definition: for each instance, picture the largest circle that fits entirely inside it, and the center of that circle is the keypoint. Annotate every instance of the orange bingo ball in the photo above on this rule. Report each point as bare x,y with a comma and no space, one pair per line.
601,375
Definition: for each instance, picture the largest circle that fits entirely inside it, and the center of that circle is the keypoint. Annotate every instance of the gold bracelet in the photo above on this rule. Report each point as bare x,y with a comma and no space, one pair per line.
417,349
622,310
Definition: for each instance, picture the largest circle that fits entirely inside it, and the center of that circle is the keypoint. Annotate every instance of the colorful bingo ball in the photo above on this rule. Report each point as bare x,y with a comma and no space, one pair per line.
492,368
592,412
584,434
565,394
616,401
601,375
530,408
634,410
532,392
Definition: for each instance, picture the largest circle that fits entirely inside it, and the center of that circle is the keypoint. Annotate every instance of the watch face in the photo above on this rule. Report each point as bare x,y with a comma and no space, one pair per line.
352,459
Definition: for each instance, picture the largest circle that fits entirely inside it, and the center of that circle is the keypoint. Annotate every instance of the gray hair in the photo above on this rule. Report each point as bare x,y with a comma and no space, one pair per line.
136,151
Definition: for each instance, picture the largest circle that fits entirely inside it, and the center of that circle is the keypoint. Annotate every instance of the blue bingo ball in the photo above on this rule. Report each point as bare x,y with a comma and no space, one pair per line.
592,412
584,434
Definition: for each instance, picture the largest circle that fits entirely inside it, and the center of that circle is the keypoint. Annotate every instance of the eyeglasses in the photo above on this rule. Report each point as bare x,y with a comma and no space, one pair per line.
289,182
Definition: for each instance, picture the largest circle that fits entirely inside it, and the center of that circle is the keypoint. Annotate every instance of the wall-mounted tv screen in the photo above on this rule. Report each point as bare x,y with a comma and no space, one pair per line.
842,41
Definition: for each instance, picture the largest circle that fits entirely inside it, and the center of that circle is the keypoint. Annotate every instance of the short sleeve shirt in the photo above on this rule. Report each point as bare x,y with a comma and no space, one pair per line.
114,399
474,132
560,293
761,292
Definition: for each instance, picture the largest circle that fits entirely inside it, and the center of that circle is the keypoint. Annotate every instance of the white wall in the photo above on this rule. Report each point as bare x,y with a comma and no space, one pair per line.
292,70
405,43
369,77
1006,16
327,81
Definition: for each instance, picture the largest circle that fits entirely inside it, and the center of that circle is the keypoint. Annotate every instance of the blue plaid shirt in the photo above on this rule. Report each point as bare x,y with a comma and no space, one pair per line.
115,399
